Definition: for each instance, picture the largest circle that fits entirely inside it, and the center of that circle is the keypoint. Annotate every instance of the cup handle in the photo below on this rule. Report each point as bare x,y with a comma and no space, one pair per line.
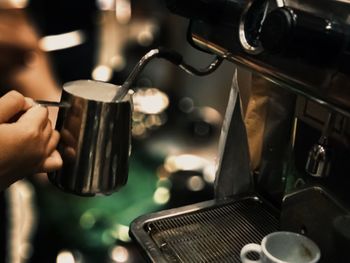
250,248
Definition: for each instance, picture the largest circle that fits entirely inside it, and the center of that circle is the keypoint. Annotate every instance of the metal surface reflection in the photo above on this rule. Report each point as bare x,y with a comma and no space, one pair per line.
95,140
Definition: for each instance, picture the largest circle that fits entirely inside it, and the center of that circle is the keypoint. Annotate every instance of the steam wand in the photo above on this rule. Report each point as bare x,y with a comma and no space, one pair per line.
171,56
318,162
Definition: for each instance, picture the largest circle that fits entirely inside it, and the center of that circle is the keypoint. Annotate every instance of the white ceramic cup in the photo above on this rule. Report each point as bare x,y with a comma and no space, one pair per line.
283,247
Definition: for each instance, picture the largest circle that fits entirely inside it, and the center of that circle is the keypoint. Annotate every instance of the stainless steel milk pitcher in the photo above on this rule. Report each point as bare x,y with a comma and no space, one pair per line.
95,139
95,129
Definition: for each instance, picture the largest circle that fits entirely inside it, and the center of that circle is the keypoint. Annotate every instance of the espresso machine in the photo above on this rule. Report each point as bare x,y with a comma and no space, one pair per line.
284,149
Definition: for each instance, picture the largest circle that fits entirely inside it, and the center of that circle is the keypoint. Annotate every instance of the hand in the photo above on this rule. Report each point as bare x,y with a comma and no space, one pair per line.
28,144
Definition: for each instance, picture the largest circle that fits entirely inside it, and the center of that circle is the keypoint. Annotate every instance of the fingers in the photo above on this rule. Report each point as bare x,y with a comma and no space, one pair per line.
53,141
11,104
28,103
52,163
69,153
47,132
68,139
36,116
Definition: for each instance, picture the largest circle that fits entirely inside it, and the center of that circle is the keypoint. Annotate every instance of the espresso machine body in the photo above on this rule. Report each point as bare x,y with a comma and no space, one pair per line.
284,149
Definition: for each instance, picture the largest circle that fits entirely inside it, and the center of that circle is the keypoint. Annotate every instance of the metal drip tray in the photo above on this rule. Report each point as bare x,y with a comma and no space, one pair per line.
204,232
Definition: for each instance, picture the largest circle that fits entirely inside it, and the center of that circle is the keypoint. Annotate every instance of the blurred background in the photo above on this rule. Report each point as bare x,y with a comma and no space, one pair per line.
176,126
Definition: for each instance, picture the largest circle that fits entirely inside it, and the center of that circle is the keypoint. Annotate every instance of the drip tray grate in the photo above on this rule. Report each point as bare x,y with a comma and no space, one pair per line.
210,234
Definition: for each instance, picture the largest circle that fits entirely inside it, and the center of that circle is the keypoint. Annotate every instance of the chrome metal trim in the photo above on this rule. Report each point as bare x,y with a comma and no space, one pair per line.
138,230
241,32
280,3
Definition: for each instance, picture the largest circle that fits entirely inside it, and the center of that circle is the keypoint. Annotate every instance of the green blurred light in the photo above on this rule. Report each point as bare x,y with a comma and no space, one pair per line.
107,238
87,220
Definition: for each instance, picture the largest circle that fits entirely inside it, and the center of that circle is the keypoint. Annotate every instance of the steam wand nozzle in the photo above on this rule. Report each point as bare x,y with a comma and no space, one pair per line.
173,57
318,163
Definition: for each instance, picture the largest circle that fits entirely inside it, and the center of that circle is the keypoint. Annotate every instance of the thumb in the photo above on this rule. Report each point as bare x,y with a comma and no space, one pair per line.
11,104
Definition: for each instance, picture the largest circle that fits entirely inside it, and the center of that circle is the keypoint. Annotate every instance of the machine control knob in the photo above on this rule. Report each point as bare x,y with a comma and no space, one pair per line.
301,34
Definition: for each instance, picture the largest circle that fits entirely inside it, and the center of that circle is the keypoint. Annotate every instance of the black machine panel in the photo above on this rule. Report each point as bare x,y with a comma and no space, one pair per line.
303,45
